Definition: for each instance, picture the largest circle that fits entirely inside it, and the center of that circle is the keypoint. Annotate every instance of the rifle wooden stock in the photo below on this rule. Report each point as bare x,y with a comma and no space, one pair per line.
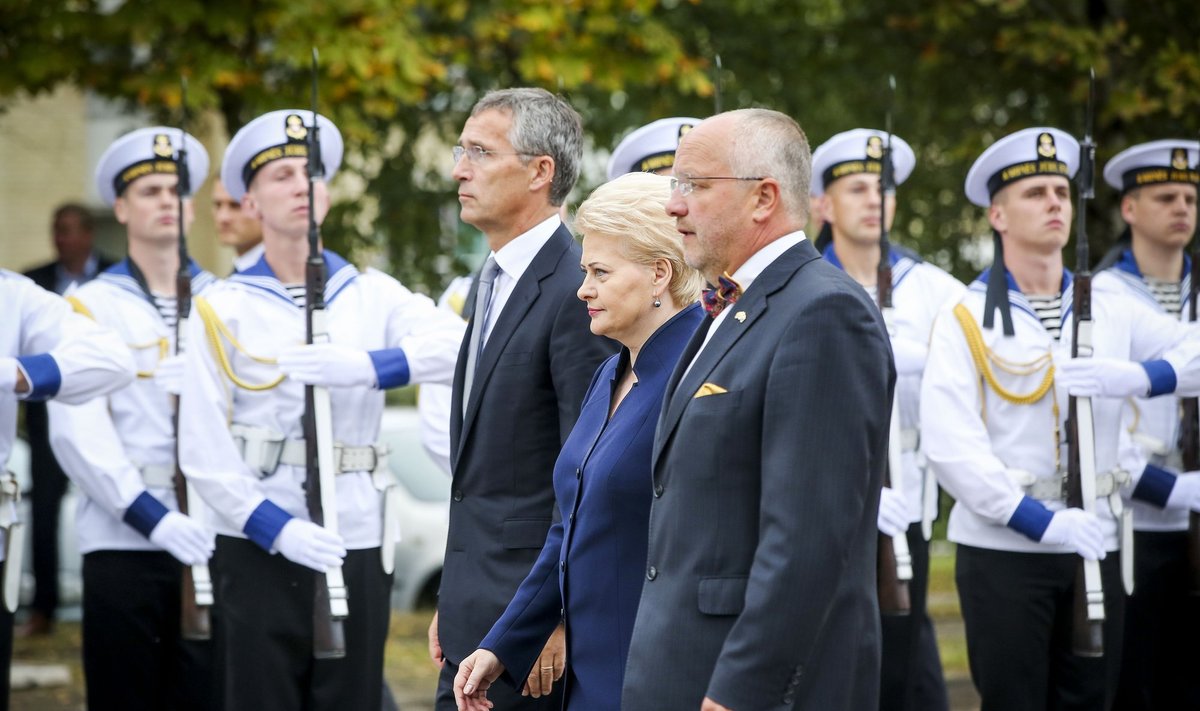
196,596
894,560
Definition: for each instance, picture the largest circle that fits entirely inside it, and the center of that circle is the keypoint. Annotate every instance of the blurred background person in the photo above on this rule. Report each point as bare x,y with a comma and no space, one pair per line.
236,228
640,293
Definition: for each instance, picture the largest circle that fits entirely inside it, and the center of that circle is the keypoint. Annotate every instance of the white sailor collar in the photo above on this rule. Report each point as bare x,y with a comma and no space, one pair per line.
901,263
338,275
1017,299
1127,269
123,275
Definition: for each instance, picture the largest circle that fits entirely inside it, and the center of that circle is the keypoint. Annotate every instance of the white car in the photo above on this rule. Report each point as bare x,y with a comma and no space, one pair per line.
424,518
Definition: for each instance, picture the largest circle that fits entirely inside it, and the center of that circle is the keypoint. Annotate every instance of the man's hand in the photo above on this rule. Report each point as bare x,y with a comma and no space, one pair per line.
710,705
1102,377
893,512
310,545
549,667
474,678
1079,530
168,374
328,365
1186,492
189,541
435,647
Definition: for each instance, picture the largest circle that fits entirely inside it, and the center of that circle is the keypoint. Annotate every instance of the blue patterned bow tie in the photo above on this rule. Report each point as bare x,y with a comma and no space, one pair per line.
726,293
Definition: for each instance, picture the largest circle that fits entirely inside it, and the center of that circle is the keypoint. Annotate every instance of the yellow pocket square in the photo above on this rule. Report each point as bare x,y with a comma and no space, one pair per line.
709,389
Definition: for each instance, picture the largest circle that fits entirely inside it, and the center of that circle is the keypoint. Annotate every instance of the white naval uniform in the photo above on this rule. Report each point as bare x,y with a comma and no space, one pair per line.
1155,418
104,445
973,457
433,401
409,339
64,356
919,293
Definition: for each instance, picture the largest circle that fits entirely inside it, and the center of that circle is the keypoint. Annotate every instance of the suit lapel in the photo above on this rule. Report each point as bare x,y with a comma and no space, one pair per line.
750,308
523,295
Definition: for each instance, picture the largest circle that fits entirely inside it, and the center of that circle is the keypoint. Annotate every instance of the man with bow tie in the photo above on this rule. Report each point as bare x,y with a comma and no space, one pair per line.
760,579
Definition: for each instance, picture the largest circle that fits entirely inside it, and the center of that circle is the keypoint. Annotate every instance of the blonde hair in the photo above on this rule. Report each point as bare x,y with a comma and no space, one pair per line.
632,209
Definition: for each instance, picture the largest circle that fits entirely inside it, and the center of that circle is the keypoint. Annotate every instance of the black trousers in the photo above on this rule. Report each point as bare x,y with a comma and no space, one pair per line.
6,639
133,655
911,673
1017,610
45,506
502,696
1162,628
267,632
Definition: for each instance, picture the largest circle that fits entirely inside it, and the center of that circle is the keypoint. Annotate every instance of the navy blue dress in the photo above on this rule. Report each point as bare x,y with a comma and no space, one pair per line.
592,566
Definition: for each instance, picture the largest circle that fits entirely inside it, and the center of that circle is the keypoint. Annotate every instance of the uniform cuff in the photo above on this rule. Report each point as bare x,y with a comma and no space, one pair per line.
144,513
391,367
43,375
1031,518
1162,377
1154,487
265,523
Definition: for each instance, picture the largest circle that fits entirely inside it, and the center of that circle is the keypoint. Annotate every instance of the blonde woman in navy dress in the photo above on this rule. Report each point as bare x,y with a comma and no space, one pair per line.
640,293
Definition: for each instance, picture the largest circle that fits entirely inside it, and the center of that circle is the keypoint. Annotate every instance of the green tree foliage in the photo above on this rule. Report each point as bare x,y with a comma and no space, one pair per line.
399,76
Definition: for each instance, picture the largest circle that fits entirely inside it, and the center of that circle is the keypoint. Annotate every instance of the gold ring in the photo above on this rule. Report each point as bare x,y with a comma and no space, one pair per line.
547,668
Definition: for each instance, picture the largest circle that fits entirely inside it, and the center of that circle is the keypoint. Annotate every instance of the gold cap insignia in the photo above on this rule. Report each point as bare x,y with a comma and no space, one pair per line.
1045,146
162,145
875,147
294,128
1179,159
683,129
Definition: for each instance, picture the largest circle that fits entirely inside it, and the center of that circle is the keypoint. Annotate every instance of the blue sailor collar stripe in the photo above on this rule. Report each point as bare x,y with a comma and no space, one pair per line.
122,276
1128,264
1126,268
1017,299
901,264
339,274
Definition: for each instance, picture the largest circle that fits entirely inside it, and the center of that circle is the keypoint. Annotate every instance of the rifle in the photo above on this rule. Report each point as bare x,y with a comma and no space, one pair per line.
717,86
1087,639
196,588
330,604
894,561
1189,429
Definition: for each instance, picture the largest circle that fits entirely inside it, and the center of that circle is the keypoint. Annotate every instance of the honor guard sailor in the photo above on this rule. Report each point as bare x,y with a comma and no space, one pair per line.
847,187
651,148
243,402
120,450
1158,184
46,351
994,401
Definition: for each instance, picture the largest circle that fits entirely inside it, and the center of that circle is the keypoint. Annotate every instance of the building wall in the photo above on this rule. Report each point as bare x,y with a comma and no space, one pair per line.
49,147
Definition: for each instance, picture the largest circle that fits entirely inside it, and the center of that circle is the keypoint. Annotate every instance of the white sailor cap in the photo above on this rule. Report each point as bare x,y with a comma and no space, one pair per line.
859,150
147,151
278,134
1024,154
1168,161
649,148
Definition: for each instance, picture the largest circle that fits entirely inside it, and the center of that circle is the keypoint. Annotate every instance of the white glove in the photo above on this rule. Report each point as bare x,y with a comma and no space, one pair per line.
1186,492
310,545
910,355
184,538
329,365
1077,529
168,374
1102,377
8,374
893,512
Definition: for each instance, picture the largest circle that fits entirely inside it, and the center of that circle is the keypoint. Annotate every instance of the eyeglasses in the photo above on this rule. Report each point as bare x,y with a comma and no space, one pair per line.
685,186
479,154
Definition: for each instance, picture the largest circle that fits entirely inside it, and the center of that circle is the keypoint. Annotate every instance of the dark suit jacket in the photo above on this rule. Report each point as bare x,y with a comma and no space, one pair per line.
593,563
760,589
528,389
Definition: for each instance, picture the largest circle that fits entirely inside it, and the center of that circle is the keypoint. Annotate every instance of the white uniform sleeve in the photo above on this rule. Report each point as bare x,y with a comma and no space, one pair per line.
953,434
428,338
86,443
65,355
207,453
1159,338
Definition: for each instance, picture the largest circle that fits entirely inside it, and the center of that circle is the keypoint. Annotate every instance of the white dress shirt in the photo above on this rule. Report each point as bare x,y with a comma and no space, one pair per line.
513,259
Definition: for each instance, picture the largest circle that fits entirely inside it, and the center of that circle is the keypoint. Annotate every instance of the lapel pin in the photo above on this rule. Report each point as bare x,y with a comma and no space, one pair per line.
740,316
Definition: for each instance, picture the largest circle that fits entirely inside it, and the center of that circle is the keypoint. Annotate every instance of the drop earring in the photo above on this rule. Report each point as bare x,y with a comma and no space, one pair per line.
657,302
